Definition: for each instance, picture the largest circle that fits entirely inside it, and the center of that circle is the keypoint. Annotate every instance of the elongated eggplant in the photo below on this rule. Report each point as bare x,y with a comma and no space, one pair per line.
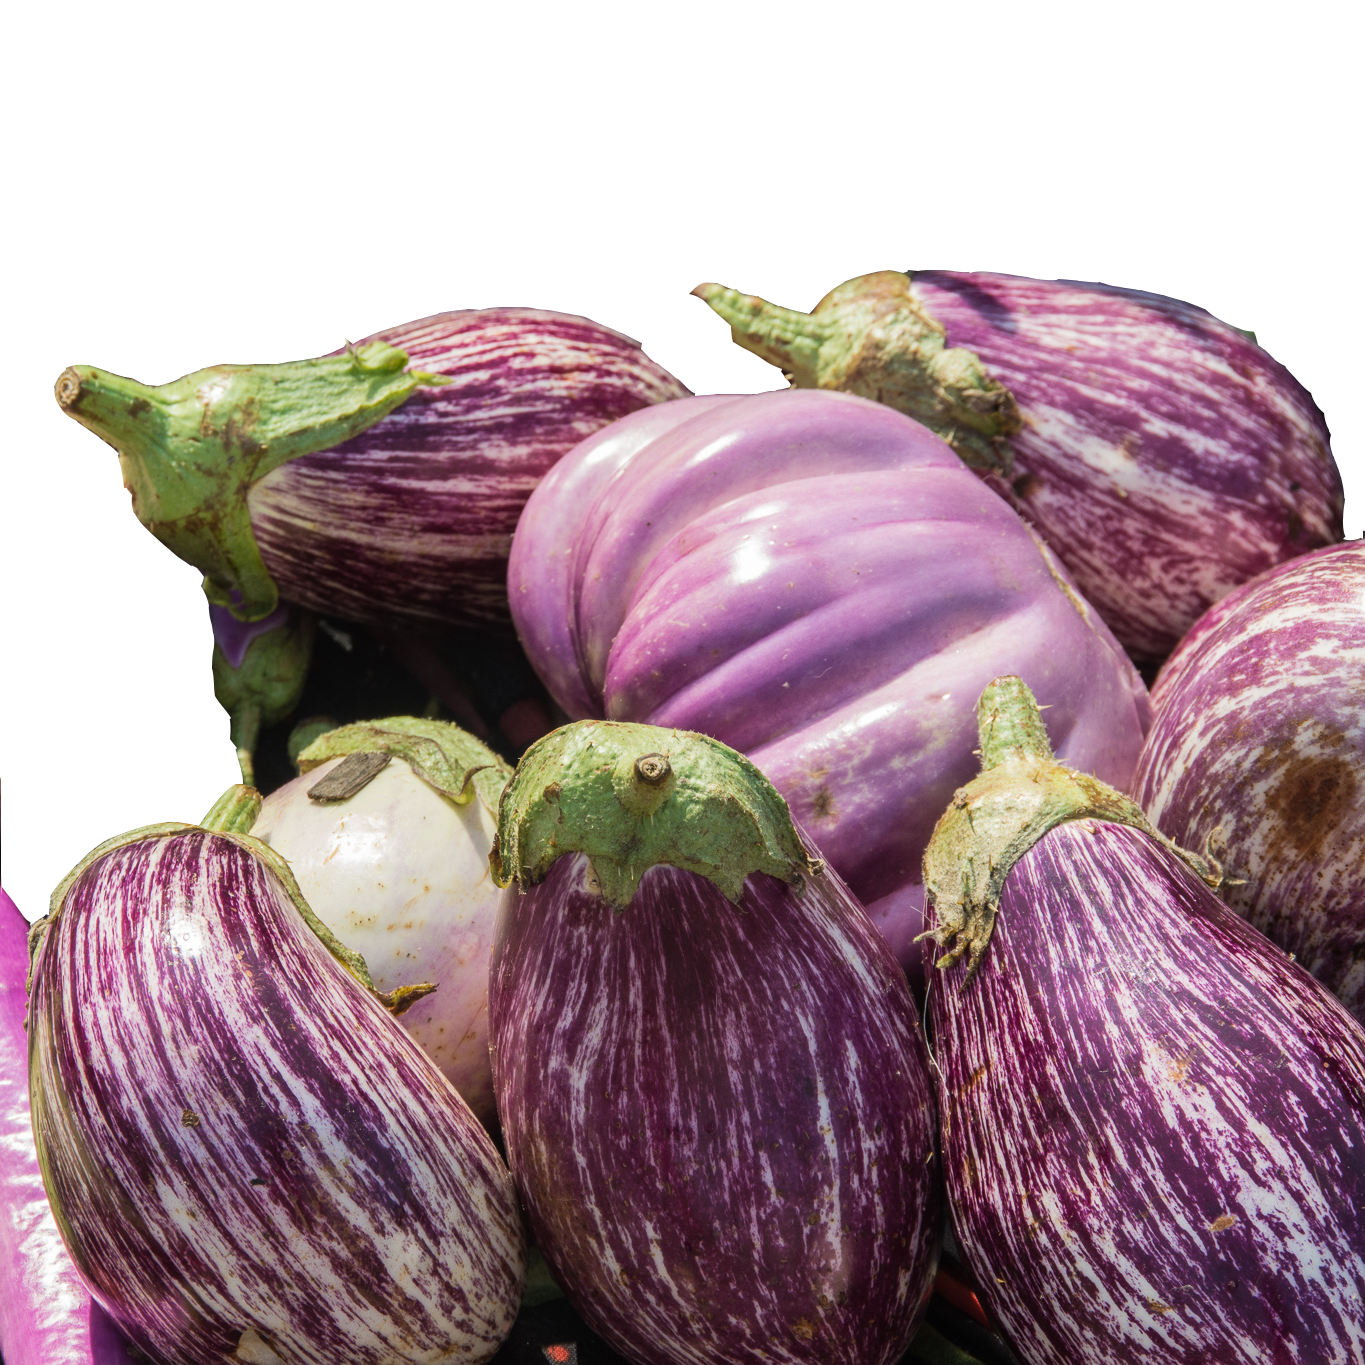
1161,453
96,635
1153,1121
249,1160
46,1314
709,1072
387,832
1260,743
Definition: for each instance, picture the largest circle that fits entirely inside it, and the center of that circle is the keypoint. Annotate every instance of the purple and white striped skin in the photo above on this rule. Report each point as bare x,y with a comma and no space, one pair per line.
819,582
1153,1122
1164,456
1260,734
245,1152
96,635
46,1314
150,325
1341,313
719,1117
642,303
411,520
400,874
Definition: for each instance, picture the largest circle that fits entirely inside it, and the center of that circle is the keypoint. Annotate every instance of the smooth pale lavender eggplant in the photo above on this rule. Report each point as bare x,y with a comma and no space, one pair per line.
1341,313
96,635
1162,454
818,582
153,325
1259,743
642,303
248,1158
393,858
1153,1121
46,1315
381,484
711,1079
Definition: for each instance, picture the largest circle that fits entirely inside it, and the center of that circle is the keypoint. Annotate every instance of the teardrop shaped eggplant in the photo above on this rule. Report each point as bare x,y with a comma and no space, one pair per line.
247,1157
710,1076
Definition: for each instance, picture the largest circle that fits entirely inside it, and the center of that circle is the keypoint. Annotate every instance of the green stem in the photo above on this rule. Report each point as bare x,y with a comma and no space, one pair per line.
234,812
1010,724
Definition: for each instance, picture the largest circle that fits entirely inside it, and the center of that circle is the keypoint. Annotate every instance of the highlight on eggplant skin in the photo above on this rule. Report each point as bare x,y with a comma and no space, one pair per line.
1152,1121
244,1152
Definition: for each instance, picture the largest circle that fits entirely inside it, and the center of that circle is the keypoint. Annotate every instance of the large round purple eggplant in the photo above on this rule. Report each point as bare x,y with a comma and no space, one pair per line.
1341,313
96,635
153,325
710,1076
46,1314
249,1160
819,582
642,303
355,485
1162,454
1153,1121
1259,742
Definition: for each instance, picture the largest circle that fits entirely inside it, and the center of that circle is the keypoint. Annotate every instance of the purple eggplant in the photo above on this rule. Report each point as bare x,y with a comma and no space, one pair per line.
355,485
1341,313
248,1158
710,1076
1153,1121
46,1315
96,635
642,303
1259,743
153,325
817,581
1162,454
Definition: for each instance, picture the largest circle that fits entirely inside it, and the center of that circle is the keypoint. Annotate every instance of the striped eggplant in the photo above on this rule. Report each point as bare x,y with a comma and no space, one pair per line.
154,325
357,486
711,1079
642,303
1259,742
387,832
817,581
96,635
249,1160
1162,454
1153,1122
1341,313
46,1315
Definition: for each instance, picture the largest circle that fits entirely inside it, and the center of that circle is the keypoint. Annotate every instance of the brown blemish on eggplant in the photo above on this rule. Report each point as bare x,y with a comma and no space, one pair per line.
822,804
189,1118
1224,1223
1312,798
1026,485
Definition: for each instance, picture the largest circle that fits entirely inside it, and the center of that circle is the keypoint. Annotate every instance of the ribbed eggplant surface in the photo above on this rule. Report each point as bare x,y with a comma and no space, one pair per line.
717,1110
1153,1122
1260,740
250,1160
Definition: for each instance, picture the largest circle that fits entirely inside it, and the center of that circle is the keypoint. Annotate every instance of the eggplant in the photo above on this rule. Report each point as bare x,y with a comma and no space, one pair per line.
96,635
153,325
816,581
1153,1121
1259,744
387,831
711,1079
46,1315
1162,454
642,303
249,1160
358,486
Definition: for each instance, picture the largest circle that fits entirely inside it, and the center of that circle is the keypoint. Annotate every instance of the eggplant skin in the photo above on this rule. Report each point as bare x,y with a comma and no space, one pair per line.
237,1139
719,1117
1154,1122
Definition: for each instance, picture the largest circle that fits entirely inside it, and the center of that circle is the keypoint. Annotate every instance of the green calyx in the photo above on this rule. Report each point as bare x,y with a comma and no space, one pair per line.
232,817
872,337
191,449
445,757
633,796
1021,793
